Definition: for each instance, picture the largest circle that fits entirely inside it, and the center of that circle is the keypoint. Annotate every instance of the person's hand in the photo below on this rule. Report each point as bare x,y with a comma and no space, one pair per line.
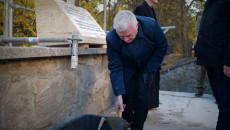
148,80
119,106
226,70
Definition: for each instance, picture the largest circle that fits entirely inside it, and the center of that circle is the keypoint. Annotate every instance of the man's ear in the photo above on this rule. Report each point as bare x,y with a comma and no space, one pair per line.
137,26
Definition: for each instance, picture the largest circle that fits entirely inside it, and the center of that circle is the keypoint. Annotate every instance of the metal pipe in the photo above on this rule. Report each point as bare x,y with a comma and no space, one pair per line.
20,7
74,54
21,43
10,21
105,6
168,27
166,30
6,19
37,39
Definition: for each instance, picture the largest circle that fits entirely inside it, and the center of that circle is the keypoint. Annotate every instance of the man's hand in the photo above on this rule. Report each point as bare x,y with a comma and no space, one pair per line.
226,70
148,80
119,106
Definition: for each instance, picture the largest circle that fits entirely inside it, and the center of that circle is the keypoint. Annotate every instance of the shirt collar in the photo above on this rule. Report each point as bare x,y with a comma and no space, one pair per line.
140,31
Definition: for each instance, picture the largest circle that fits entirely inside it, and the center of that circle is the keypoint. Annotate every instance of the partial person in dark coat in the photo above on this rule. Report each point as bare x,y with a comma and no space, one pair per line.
136,47
146,9
213,51
201,79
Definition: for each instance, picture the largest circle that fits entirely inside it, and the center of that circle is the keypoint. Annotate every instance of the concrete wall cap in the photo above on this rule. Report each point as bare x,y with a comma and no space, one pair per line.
32,52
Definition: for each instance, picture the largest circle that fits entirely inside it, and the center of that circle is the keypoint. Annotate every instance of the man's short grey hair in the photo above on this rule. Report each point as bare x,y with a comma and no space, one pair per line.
123,19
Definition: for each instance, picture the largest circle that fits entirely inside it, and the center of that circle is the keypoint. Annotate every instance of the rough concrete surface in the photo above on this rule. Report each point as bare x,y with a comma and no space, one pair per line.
180,111
43,93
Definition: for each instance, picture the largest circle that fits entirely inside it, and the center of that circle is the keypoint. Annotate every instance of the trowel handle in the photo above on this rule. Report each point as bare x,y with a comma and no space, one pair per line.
101,123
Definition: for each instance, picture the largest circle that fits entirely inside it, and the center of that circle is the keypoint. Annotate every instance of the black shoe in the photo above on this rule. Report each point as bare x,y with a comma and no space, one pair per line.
198,94
127,126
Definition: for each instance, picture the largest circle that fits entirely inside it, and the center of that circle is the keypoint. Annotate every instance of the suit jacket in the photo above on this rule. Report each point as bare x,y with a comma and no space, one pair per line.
213,41
145,10
145,52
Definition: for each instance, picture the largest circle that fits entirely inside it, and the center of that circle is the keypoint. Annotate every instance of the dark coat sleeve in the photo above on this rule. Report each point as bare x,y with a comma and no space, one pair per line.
115,66
160,50
226,59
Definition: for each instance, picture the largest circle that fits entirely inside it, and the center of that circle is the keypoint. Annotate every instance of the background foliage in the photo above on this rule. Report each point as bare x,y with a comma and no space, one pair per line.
169,13
24,24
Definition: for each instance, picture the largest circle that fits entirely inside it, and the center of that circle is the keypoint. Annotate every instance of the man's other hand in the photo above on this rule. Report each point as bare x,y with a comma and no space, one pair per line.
226,70
119,106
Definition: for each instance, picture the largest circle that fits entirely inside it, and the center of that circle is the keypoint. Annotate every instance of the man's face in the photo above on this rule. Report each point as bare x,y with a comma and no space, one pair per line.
129,34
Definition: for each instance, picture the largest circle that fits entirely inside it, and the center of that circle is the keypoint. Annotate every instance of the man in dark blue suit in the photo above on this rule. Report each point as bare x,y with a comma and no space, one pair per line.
136,47
213,51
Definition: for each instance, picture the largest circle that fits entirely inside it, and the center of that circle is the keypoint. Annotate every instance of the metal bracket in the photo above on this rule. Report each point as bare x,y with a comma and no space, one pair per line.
74,53
167,28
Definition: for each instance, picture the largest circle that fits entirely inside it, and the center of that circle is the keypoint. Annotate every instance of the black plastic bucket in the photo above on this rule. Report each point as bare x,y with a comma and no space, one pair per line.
91,122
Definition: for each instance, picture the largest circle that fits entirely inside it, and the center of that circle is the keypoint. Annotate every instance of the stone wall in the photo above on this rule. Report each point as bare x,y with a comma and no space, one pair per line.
43,93
38,90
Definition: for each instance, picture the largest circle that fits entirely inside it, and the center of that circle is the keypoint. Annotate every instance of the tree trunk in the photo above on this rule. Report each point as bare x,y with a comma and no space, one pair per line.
76,2
109,16
184,24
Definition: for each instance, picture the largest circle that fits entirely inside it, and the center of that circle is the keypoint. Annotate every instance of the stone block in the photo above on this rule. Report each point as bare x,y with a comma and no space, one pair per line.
95,107
39,86
44,93
15,78
16,107
56,18
47,69
4,70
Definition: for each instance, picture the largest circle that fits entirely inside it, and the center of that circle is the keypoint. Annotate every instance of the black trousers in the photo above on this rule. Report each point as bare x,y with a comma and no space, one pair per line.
201,79
154,95
137,101
221,90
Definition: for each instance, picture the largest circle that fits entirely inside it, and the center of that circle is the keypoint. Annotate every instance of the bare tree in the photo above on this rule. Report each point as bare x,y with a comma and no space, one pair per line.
187,47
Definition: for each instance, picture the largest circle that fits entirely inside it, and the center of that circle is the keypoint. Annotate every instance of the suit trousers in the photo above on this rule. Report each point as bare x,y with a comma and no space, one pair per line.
137,99
201,79
221,90
154,94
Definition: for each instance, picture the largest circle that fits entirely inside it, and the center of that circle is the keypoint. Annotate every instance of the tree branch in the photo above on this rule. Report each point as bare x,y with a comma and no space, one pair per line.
188,7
